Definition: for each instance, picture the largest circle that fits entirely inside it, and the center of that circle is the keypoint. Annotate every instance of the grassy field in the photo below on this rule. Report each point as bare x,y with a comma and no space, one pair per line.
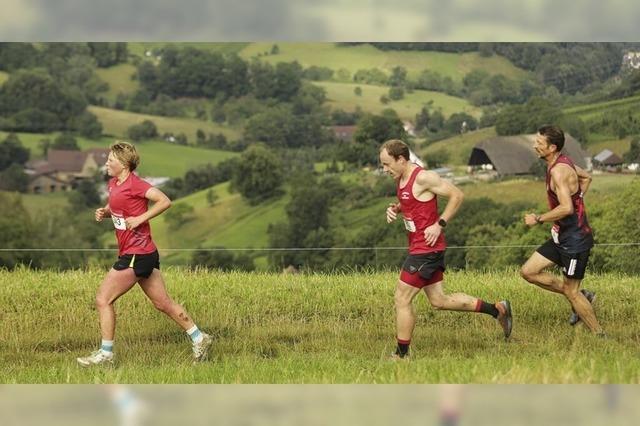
354,58
231,222
619,146
4,76
342,96
158,158
525,190
591,111
119,79
459,147
271,328
116,122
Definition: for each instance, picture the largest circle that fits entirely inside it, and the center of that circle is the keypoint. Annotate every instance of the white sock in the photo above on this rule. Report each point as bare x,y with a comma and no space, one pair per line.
106,346
195,334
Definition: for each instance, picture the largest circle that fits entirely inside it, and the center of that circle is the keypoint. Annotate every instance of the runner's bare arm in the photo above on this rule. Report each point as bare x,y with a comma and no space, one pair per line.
160,203
431,181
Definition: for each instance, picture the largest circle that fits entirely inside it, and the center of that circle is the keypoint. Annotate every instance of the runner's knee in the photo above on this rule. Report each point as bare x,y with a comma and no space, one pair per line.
528,273
402,299
437,302
570,292
163,305
102,301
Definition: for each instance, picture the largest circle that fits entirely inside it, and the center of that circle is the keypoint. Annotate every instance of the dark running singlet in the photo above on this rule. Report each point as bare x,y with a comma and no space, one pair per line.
418,216
571,233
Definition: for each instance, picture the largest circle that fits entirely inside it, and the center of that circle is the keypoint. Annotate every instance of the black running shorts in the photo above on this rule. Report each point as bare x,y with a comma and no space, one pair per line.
142,264
573,265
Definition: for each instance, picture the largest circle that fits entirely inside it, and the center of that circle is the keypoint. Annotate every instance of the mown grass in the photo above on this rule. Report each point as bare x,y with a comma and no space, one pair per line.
354,58
116,122
339,328
342,96
158,158
119,78
590,111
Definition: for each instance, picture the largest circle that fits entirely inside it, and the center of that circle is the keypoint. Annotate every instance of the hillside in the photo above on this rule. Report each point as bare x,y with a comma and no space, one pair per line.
159,158
342,96
120,80
354,58
116,122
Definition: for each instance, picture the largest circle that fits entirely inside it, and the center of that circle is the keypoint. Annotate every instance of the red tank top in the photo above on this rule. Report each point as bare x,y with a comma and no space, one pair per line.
572,233
128,200
418,216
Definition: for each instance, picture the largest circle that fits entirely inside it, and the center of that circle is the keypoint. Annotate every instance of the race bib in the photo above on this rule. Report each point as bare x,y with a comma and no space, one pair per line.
118,222
554,234
409,225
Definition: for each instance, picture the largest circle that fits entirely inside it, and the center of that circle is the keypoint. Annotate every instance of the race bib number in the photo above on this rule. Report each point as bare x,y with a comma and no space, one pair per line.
555,234
409,225
118,222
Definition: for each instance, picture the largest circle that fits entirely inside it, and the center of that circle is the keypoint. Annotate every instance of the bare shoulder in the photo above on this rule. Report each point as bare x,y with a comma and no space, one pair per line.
562,171
427,178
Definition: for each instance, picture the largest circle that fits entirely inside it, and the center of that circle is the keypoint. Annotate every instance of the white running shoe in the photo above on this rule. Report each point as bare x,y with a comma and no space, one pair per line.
200,350
96,358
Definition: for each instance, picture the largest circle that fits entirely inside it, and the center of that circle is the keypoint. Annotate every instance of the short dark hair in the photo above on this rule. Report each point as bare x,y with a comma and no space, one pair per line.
554,135
396,148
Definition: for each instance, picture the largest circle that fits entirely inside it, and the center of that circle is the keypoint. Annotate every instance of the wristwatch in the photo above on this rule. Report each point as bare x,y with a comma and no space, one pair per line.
442,223
538,221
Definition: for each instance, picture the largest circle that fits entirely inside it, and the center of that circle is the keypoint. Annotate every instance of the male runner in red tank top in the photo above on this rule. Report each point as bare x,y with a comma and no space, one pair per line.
417,191
572,237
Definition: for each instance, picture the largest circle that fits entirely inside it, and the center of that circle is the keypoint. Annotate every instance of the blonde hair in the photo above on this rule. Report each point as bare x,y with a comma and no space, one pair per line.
126,153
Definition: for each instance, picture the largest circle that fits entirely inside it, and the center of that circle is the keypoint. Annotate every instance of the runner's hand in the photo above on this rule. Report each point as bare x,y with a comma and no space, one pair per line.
431,234
101,213
530,219
133,222
392,212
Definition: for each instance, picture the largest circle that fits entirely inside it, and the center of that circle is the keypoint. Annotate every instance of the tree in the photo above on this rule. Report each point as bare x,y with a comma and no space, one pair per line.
85,195
396,93
88,125
13,178
259,175
66,142
633,155
371,132
35,90
16,230
108,54
456,122
145,130
288,80
12,152
398,76
212,197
